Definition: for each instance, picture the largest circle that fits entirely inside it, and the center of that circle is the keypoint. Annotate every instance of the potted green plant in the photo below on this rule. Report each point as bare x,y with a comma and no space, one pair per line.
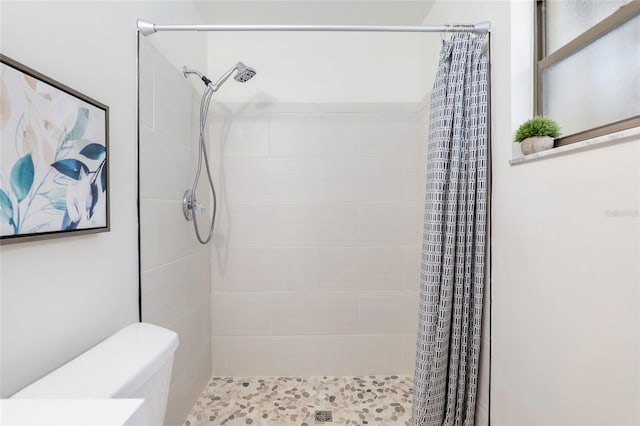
537,134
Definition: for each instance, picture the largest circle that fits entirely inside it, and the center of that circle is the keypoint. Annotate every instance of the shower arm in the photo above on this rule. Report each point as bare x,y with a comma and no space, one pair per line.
214,86
186,71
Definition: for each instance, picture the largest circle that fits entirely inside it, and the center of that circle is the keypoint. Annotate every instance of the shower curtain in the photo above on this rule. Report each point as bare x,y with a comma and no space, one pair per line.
454,239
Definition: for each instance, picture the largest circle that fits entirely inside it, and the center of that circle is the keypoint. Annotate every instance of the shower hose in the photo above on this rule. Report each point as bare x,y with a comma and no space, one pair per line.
202,156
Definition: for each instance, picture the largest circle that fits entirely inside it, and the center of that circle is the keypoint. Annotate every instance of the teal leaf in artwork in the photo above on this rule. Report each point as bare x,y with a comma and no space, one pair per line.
94,197
6,208
57,197
81,125
59,205
22,174
71,168
39,227
103,178
67,225
93,151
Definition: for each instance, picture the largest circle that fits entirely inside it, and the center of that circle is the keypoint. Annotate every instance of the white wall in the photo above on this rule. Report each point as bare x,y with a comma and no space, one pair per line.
318,67
62,296
175,268
566,329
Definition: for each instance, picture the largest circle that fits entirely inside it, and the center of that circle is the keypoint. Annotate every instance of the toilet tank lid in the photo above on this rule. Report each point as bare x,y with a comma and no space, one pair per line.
114,368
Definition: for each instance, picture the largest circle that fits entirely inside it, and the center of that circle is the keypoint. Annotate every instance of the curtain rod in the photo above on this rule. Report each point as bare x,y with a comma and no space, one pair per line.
146,28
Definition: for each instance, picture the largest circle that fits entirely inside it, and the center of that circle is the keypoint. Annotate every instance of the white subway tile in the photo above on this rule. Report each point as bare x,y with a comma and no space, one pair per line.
265,269
247,225
193,331
308,313
173,95
291,180
359,355
272,356
388,312
164,166
481,418
388,224
171,289
413,189
244,180
146,97
338,268
315,225
483,377
219,356
411,267
259,180
241,314
290,225
372,268
165,234
337,179
162,300
192,358
389,180
311,135
239,136
409,361
381,180
391,135
382,268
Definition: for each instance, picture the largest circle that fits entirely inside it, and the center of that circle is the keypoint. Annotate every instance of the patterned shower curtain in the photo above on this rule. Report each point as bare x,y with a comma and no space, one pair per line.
454,240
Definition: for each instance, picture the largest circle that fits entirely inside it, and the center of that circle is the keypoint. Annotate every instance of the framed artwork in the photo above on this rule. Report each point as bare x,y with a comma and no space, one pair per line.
54,178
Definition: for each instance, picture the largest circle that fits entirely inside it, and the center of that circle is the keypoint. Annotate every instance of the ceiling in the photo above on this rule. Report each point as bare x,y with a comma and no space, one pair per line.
314,12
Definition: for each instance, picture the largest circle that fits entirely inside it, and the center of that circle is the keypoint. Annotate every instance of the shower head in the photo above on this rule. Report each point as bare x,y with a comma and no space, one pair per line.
243,73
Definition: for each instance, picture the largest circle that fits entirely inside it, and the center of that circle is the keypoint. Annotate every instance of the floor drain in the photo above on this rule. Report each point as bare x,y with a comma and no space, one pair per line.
323,416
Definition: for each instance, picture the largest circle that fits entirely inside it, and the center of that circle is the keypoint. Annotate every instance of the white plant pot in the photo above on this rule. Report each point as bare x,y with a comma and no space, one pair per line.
536,144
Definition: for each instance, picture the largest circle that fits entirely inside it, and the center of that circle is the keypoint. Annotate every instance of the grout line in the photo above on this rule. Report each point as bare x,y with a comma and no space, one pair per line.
171,262
283,247
303,337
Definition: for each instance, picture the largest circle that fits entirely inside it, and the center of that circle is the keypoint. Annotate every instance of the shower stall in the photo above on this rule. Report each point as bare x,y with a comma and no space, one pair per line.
305,261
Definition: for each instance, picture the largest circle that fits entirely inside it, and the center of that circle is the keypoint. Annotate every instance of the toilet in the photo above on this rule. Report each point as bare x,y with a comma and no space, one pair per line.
135,362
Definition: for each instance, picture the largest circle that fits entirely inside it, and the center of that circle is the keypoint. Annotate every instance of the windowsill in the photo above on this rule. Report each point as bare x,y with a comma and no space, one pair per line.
623,136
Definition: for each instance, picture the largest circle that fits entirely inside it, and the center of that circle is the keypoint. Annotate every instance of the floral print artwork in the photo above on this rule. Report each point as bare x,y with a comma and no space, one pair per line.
53,158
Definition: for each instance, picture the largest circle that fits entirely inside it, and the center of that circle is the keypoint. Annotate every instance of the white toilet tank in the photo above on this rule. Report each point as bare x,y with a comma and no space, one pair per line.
135,362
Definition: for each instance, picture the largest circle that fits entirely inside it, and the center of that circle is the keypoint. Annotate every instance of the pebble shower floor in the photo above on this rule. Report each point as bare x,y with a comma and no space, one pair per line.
289,401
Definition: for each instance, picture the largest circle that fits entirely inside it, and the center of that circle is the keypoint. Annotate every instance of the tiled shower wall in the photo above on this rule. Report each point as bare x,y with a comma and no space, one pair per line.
315,268
175,268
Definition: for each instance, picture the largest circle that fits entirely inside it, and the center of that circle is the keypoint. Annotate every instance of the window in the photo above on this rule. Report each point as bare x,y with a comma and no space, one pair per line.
587,66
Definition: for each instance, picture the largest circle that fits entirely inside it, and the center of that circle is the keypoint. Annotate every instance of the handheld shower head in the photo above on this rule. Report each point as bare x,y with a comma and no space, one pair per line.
245,73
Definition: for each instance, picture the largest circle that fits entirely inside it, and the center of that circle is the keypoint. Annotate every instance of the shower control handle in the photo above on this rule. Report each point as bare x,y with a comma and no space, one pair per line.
190,204
187,205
